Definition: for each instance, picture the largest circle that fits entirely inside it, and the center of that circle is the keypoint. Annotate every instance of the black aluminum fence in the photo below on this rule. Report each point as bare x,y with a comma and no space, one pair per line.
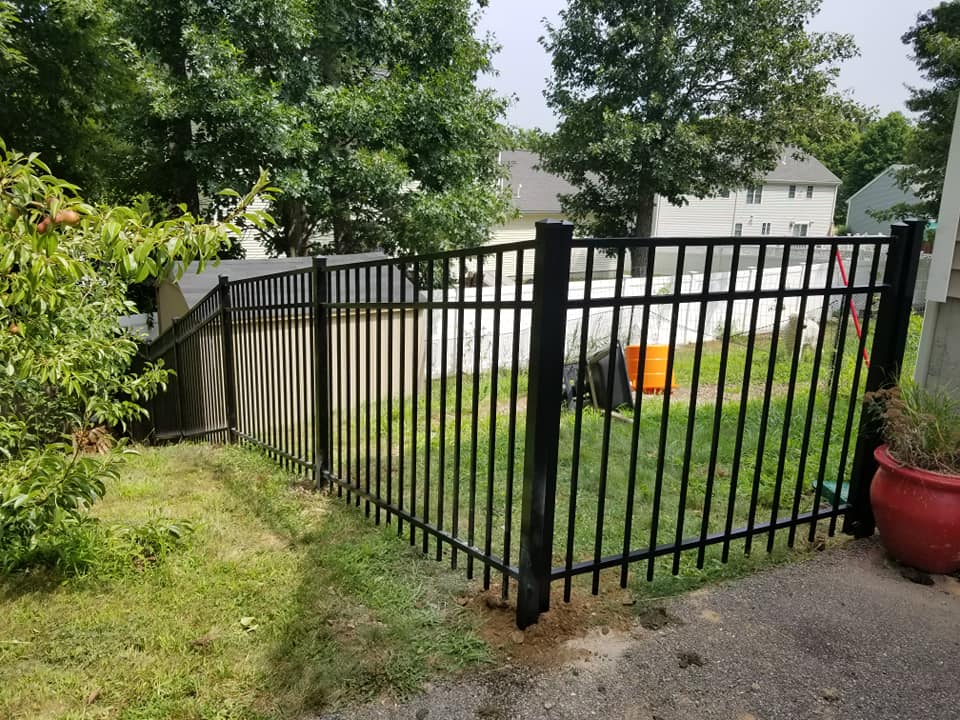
479,401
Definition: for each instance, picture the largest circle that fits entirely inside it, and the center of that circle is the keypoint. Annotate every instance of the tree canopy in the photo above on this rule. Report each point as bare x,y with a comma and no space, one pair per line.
883,143
679,98
366,113
935,42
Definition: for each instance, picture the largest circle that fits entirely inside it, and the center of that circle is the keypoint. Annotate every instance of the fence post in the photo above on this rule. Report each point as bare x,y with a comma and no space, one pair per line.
551,278
229,363
321,373
179,377
889,344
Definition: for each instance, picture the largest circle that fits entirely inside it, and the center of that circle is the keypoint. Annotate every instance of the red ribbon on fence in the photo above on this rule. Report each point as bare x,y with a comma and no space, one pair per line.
853,306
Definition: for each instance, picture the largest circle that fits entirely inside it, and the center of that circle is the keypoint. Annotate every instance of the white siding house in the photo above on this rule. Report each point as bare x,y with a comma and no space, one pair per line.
881,193
796,198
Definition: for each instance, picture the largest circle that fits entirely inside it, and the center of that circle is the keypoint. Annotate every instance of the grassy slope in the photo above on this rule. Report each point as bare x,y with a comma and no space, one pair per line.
343,611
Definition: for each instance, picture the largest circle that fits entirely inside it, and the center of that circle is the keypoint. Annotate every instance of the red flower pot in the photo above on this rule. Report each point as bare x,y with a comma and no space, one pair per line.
917,514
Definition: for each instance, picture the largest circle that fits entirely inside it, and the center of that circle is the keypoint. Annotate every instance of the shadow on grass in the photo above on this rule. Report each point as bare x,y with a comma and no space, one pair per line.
370,616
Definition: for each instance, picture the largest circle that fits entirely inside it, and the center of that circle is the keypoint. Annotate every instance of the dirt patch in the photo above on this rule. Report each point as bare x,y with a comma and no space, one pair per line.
586,625
656,618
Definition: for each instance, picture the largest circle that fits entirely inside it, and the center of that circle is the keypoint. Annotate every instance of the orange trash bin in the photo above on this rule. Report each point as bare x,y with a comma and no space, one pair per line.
654,368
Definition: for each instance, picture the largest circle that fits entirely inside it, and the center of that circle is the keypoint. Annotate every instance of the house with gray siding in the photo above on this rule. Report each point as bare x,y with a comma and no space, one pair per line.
881,193
798,197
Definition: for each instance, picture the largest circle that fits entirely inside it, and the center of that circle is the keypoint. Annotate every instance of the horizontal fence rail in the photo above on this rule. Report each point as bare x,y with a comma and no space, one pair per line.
563,407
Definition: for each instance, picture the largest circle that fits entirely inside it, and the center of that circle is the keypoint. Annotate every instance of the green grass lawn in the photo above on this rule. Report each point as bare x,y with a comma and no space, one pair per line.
747,470
283,602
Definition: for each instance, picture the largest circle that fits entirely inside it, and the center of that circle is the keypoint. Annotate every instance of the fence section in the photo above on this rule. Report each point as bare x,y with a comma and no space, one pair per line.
437,451
491,416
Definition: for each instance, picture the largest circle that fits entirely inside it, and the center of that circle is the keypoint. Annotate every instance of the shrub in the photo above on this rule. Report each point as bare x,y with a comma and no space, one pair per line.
65,267
921,426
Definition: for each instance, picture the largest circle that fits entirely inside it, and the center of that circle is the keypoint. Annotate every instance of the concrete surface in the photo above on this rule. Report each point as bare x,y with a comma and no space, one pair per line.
842,635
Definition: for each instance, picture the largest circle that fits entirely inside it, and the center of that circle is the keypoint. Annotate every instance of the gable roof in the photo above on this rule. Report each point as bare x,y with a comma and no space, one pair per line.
535,191
805,169
890,172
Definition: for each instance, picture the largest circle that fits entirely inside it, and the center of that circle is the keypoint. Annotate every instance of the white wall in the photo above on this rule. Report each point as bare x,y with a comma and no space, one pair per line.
630,325
719,216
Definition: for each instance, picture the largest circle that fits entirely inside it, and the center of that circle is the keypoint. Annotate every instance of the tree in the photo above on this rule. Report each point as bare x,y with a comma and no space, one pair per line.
366,113
71,92
65,365
935,41
884,143
678,98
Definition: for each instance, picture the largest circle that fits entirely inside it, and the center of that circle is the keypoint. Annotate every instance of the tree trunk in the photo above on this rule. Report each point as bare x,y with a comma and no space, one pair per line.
297,227
186,186
642,228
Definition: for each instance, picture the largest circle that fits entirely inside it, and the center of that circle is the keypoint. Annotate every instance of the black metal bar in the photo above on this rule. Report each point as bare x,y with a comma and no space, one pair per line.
812,394
646,554
512,428
414,397
612,363
391,319
550,294
831,409
379,411
358,387
665,412
765,429
458,407
635,429
744,400
788,410
442,459
367,401
718,410
692,412
401,436
229,365
492,440
428,410
341,401
889,345
321,401
578,419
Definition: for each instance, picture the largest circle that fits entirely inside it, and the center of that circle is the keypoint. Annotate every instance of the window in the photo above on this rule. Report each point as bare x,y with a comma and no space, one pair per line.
738,230
765,229
754,195
792,192
724,194
800,229
809,191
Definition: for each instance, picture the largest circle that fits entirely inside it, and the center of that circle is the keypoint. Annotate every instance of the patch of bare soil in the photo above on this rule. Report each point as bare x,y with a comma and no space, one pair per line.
568,631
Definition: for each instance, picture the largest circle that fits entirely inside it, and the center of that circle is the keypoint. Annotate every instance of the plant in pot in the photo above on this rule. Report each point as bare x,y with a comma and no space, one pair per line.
915,493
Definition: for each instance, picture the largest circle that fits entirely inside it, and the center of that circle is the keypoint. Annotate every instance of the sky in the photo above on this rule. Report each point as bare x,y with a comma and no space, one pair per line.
877,78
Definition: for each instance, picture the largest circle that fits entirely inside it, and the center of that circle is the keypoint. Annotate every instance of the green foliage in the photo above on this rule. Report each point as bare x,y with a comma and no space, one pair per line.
367,113
836,132
678,98
65,365
45,492
71,95
884,143
935,42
